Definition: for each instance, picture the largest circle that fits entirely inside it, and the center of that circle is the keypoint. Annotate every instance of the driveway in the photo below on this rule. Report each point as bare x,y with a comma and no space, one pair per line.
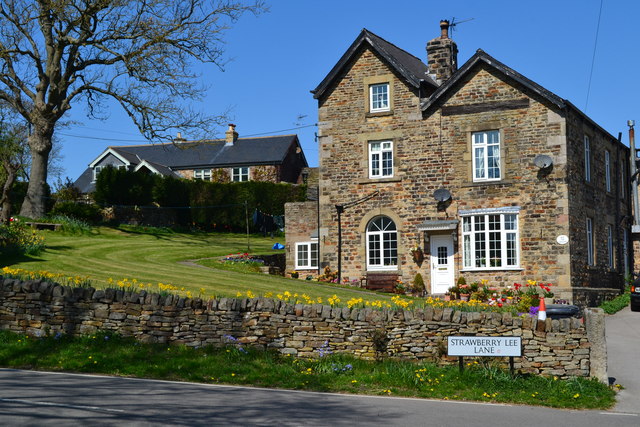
623,349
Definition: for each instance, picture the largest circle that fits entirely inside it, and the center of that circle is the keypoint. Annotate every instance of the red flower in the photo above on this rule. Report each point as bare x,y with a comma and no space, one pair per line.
499,304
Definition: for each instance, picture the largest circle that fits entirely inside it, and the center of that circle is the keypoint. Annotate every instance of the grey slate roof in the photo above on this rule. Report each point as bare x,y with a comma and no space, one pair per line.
166,158
414,71
215,153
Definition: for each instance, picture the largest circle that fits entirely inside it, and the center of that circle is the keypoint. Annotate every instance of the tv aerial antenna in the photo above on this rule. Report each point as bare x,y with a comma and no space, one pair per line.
453,22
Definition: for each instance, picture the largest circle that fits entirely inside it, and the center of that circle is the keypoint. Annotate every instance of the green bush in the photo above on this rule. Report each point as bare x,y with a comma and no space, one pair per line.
20,238
80,211
208,205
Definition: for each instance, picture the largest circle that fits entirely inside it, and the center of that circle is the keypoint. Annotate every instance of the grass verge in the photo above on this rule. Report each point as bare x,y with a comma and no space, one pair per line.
236,364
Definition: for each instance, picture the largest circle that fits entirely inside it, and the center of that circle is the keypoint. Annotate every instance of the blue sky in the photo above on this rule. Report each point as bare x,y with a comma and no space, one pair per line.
278,57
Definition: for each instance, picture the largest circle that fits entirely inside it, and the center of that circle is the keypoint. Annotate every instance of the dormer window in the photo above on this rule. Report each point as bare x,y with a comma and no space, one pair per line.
379,98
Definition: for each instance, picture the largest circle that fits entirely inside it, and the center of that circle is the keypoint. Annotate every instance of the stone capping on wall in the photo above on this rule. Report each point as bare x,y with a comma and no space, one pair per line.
563,348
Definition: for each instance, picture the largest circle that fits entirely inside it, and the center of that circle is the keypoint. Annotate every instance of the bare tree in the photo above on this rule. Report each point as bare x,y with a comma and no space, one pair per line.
140,53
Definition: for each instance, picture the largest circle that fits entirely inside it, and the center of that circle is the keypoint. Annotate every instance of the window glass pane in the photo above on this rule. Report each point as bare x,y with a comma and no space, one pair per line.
480,250
443,255
467,251
314,255
479,223
511,249
509,222
302,255
387,163
374,249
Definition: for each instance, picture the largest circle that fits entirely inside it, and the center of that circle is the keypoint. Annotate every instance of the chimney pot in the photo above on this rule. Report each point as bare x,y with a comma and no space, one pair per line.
444,29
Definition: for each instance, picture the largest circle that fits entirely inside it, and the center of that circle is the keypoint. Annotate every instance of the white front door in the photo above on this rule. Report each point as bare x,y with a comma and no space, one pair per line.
442,273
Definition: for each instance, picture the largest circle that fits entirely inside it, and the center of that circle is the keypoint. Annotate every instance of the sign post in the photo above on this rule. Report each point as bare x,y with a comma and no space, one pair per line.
476,346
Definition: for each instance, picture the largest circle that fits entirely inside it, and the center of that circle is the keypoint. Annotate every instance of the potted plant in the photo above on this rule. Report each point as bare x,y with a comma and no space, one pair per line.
417,254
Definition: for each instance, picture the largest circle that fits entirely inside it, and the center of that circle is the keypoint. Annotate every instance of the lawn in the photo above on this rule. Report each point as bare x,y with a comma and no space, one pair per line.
158,256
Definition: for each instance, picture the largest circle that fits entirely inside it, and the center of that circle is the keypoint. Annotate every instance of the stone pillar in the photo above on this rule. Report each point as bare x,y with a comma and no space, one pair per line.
595,325
442,55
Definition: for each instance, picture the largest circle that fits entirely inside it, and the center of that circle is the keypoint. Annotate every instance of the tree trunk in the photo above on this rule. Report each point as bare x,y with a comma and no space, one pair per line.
34,205
5,198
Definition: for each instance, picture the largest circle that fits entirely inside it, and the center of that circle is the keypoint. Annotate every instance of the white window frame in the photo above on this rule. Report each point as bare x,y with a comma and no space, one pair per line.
607,170
610,258
240,174
203,174
382,244
380,159
590,242
379,100
308,261
96,172
477,230
587,159
480,147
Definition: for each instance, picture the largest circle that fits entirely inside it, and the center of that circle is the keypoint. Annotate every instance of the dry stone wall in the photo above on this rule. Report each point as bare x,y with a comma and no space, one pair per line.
563,348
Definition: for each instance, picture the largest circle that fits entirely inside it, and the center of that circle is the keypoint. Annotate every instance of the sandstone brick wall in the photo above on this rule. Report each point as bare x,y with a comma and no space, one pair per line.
433,150
555,347
301,224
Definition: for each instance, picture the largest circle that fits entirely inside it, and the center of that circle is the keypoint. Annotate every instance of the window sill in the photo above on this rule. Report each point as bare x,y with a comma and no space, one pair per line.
379,114
389,269
379,180
485,183
493,269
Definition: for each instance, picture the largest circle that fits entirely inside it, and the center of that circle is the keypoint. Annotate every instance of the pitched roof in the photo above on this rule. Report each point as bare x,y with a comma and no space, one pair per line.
167,158
481,57
215,153
414,71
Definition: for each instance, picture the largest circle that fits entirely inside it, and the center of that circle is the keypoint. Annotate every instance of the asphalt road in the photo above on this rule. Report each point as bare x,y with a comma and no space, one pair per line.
45,399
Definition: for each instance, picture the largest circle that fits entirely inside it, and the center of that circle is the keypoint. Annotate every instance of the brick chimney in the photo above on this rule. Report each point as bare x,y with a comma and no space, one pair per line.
231,135
442,55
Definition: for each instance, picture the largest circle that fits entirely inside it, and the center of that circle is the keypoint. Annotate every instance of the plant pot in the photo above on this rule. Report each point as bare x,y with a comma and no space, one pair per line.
418,256
465,297
447,297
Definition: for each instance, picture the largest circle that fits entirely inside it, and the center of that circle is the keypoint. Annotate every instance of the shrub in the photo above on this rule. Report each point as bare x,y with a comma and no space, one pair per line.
418,284
70,224
80,211
20,238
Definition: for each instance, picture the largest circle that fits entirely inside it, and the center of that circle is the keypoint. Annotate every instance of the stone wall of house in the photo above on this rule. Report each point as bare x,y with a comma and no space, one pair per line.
300,225
608,209
432,150
565,348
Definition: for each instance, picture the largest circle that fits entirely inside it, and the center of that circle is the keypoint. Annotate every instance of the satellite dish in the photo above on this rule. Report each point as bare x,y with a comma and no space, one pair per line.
542,161
442,195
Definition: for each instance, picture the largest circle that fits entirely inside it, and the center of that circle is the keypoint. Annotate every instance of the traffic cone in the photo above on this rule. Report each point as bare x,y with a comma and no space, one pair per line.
542,311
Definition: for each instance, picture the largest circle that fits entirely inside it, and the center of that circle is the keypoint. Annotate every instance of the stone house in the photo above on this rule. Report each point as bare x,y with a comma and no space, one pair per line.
472,171
270,158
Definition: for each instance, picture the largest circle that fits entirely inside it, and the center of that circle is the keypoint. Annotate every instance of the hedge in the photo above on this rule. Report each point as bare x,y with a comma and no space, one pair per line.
209,205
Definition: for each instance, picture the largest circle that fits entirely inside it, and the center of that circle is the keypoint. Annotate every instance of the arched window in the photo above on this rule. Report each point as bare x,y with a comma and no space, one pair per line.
382,244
